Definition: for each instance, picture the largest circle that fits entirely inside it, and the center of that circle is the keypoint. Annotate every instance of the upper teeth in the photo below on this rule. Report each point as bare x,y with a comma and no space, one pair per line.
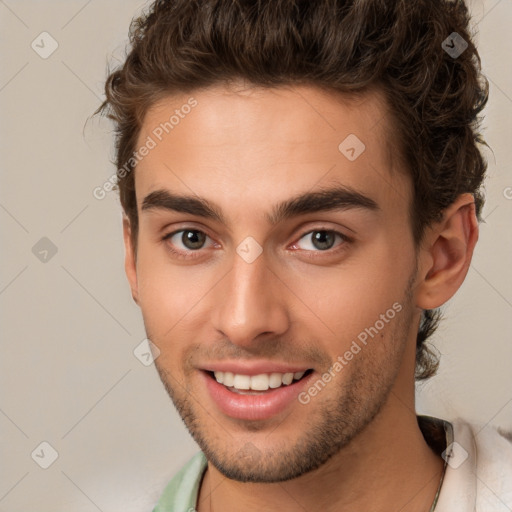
256,382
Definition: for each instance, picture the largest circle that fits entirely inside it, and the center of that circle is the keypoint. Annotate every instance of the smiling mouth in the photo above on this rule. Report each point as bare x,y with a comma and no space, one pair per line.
256,384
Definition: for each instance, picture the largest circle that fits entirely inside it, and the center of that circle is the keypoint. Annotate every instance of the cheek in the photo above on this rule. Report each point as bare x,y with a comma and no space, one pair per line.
359,306
162,293
171,297
345,300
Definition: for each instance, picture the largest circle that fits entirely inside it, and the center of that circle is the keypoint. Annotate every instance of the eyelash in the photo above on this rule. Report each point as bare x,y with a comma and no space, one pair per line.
190,254
185,255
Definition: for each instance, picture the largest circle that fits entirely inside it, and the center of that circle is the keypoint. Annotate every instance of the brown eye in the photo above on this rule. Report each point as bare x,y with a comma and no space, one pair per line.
193,239
187,239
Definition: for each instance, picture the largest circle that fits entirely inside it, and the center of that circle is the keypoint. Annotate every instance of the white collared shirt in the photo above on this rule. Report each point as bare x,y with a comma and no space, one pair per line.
479,473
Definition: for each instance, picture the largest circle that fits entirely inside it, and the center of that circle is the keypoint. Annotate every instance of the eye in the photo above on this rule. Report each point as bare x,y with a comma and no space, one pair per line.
320,240
187,239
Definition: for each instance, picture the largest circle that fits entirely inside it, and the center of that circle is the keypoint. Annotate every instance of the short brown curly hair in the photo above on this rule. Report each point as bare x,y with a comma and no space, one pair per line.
343,46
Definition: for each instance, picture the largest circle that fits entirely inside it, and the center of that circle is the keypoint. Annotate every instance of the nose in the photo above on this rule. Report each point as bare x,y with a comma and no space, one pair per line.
249,302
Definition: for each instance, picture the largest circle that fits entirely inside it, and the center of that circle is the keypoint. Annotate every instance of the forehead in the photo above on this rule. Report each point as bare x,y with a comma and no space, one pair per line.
268,142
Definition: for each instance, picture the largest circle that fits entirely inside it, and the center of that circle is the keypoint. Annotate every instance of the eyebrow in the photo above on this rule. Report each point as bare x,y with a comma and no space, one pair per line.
330,199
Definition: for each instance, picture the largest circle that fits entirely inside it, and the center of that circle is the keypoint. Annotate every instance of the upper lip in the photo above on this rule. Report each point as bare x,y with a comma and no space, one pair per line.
253,368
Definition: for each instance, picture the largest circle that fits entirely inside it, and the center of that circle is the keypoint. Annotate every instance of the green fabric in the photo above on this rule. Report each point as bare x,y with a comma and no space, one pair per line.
181,493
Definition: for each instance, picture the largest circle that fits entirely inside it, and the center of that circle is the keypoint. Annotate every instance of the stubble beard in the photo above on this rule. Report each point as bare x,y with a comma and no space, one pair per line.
333,423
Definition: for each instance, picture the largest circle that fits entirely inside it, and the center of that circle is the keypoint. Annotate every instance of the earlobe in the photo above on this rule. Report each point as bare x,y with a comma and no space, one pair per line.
130,259
445,255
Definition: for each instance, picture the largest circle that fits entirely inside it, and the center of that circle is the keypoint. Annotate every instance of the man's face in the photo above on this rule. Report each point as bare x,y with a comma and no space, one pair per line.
260,284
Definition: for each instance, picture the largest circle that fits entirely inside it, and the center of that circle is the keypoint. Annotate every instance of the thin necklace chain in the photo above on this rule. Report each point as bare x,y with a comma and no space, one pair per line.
432,508
436,497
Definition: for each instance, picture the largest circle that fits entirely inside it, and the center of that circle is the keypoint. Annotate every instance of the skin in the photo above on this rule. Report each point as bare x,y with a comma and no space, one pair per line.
356,445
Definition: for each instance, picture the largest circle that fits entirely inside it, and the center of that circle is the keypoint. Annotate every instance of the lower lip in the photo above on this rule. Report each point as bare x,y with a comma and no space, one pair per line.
262,406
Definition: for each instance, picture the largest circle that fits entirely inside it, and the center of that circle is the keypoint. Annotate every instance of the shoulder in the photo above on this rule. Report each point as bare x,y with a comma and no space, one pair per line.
479,469
180,495
493,468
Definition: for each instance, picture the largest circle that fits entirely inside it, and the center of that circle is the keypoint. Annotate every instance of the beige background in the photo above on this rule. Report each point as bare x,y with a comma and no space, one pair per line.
68,374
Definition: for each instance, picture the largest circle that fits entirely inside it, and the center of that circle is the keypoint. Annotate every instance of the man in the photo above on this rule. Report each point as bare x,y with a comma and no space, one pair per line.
301,185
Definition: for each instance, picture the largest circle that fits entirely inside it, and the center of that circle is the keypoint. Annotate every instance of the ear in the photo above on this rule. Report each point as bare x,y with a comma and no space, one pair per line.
446,252
130,264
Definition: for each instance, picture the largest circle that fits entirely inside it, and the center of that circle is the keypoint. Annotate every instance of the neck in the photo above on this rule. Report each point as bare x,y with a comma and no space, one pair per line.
388,466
